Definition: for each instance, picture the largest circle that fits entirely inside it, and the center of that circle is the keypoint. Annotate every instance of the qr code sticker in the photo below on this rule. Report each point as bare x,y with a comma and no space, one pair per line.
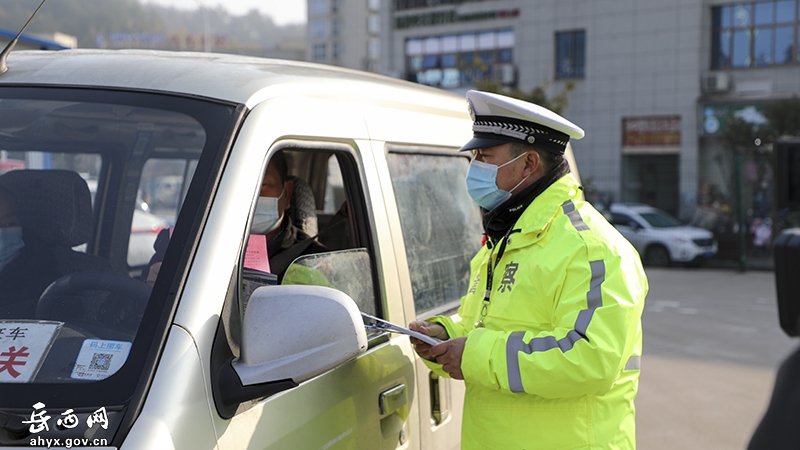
101,361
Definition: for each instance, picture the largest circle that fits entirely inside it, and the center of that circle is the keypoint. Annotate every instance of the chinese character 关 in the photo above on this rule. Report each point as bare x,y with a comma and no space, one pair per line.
11,360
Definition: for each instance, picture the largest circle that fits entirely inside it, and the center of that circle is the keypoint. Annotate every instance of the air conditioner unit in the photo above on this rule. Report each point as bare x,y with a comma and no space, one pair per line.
504,74
716,83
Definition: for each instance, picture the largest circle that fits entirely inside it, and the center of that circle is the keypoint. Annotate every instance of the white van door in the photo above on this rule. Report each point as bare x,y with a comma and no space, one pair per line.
367,402
438,229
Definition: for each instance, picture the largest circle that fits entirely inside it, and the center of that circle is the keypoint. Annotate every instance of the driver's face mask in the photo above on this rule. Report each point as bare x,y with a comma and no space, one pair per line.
10,244
482,183
267,217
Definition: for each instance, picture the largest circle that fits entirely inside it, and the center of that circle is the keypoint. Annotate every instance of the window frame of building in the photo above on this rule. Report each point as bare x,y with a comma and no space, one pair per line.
373,24
570,54
319,28
335,27
319,51
755,34
318,7
373,48
459,59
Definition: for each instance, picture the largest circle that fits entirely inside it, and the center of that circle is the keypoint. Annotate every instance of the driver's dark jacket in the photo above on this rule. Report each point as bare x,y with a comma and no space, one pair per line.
24,278
290,243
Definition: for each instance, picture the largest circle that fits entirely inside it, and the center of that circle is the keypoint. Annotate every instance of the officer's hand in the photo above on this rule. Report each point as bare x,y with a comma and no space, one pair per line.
448,354
430,329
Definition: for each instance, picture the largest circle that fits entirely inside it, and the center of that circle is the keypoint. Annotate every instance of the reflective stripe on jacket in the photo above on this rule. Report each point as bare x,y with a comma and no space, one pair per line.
556,365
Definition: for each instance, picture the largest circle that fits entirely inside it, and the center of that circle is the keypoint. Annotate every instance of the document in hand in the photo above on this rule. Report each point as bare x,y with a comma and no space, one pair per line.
374,323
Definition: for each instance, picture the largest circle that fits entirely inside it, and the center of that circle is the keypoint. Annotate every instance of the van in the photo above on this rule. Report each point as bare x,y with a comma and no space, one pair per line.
211,352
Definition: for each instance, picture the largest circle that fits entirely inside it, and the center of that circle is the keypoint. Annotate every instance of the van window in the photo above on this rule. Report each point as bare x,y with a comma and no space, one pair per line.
441,224
83,163
316,241
161,190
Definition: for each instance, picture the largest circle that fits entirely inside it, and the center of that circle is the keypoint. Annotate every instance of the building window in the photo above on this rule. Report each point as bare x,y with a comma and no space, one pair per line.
319,52
374,48
754,34
335,27
336,50
455,60
374,24
318,7
319,28
571,54
374,5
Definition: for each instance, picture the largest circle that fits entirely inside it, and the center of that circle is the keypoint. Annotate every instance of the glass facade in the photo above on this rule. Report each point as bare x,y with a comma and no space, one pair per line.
571,54
318,7
319,51
754,34
319,28
454,60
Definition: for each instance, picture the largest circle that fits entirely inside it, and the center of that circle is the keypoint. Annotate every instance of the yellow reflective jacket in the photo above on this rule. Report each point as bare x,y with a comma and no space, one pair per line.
556,363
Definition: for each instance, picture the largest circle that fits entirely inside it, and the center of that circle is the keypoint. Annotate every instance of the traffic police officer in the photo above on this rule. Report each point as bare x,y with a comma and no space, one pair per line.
550,336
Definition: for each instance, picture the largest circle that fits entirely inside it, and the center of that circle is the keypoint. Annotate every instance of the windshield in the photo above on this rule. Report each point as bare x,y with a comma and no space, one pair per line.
660,219
93,186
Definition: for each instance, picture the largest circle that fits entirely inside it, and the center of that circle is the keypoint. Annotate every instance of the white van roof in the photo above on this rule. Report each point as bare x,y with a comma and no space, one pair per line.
234,78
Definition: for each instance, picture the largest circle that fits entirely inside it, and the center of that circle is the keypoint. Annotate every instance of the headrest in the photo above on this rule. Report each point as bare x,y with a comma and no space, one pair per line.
54,206
303,208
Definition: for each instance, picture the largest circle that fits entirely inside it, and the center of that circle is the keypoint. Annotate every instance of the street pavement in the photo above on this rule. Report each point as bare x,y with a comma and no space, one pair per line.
712,346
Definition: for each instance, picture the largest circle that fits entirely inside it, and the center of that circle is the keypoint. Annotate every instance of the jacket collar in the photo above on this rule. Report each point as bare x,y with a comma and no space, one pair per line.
538,216
498,222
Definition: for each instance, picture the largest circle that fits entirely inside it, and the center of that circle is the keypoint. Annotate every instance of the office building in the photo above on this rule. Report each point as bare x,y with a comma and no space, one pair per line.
655,81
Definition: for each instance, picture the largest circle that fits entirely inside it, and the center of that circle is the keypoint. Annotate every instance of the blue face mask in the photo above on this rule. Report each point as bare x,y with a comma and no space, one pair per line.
482,184
10,244
266,218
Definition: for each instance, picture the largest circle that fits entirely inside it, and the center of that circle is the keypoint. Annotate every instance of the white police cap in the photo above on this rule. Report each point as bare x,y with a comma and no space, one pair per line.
499,119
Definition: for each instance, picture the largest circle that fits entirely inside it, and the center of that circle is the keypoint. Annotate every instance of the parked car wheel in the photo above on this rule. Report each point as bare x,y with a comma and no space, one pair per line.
656,256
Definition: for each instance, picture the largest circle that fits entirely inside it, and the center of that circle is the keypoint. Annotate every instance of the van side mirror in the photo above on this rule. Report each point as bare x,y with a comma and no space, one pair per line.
290,334
297,333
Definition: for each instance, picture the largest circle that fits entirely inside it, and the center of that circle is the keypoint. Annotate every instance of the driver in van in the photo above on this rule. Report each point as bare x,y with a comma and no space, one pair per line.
285,241
550,335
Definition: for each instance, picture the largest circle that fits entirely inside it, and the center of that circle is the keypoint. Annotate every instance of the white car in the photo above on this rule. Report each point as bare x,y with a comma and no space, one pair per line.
660,238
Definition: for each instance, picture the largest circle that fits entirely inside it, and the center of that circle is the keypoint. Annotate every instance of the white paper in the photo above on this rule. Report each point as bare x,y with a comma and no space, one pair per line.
99,359
24,345
388,326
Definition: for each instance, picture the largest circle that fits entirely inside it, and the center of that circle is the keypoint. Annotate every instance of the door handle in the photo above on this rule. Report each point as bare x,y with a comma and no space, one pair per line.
393,399
440,399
